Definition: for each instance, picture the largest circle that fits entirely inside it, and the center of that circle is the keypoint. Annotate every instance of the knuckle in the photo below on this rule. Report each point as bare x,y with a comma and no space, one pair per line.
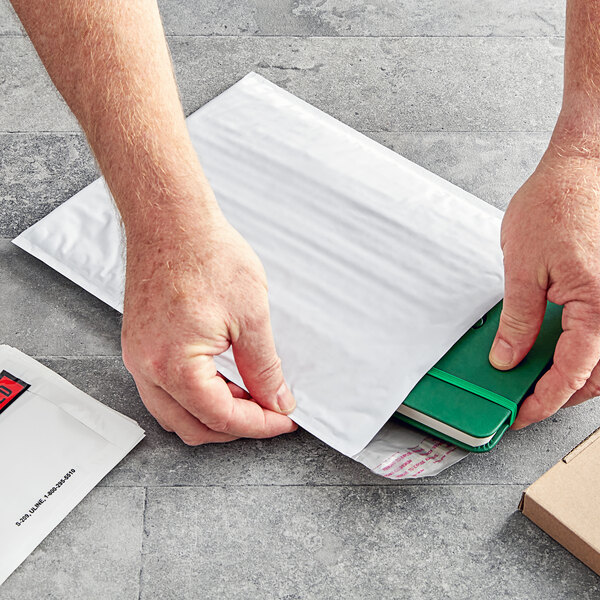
222,423
576,382
516,324
591,309
220,426
164,366
573,381
183,369
584,316
540,409
192,439
157,368
270,371
149,362
592,389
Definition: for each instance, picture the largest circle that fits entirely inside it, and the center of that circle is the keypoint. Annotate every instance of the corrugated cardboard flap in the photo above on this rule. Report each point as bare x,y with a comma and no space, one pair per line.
564,501
589,440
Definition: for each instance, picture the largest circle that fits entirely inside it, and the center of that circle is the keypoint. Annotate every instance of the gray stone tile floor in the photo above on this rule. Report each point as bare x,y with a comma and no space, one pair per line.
469,90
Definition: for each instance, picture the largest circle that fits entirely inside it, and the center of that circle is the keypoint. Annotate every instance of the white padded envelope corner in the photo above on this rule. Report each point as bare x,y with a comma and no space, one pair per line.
376,266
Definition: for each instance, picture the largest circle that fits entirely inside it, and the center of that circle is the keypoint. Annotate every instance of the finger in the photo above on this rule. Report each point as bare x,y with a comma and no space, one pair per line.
577,353
236,390
173,417
205,395
520,321
260,367
591,389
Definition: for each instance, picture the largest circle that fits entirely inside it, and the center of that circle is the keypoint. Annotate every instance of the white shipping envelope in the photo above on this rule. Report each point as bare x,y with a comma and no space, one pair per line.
376,266
56,444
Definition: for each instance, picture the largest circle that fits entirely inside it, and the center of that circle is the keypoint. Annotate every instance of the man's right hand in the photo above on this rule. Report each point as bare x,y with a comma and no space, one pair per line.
191,292
194,287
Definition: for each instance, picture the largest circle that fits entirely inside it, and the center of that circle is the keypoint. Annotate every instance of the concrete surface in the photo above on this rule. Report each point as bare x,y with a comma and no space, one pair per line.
469,90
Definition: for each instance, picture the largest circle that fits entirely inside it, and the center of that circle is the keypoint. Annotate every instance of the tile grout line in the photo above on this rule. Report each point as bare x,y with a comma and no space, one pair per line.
314,486
143,537
66,132
309,36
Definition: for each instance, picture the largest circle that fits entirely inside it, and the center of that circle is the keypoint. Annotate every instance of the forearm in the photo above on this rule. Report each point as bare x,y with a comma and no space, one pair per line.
577,131
111,63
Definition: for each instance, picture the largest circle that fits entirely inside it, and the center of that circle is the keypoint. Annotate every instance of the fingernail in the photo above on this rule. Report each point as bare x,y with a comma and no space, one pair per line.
285,400
502,354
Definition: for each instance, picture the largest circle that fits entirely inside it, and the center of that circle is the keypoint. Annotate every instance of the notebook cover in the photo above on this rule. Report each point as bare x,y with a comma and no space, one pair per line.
468,360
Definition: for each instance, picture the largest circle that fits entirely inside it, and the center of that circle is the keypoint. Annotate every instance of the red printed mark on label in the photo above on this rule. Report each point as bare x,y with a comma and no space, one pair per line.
420,460
11,388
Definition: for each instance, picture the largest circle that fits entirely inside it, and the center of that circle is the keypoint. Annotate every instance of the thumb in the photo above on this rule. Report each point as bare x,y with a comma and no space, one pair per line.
522,315
260,366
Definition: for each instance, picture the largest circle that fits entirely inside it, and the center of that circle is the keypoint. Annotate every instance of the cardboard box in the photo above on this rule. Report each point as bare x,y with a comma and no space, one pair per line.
565,502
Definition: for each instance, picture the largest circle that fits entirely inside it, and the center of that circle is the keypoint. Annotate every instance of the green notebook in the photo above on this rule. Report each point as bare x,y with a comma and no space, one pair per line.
467,402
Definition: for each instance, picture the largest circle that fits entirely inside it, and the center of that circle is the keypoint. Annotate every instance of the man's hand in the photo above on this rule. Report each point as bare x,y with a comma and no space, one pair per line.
551,245
551,237
193,285
189,295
